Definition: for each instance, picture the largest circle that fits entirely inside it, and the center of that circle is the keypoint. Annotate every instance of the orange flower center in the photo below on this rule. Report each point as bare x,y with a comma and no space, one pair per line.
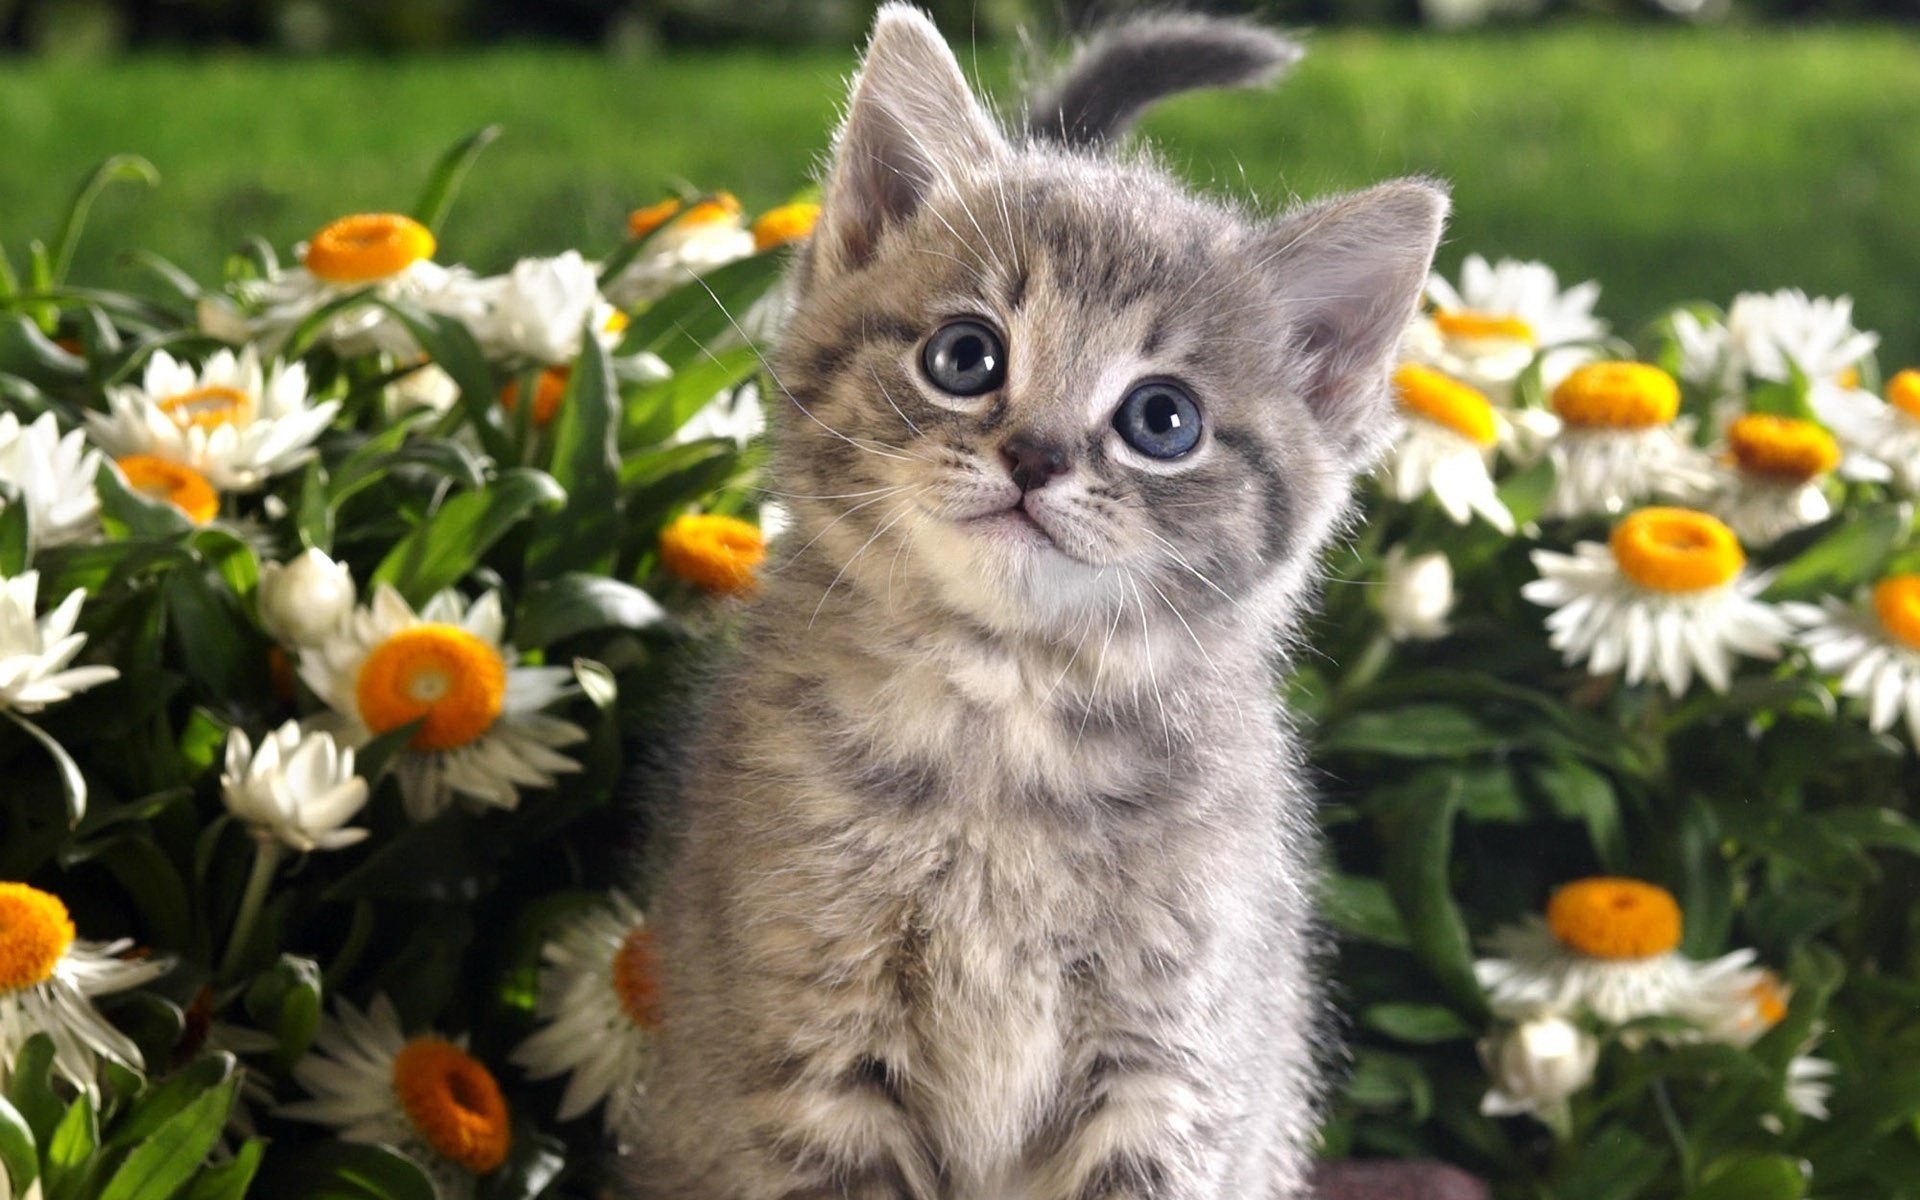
715,552
1784,447
1468,325
368,246
719,207
1617,395
35,932
456,681
1769,998
453,1101
208,407
548,391
1903,392
1676,550
181,486
788,223
1896,601
1446,402
636,978
1612,918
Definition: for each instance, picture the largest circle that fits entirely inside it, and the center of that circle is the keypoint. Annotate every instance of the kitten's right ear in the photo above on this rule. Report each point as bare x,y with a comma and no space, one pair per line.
911,123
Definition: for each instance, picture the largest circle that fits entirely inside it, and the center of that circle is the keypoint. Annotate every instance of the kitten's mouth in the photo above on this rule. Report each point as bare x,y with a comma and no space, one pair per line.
1013,521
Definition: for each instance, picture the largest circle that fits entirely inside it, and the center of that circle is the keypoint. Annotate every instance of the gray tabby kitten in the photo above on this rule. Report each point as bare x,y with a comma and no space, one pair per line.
997,869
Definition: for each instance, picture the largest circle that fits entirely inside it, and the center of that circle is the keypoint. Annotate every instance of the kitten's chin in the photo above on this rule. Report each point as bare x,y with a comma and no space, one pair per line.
1005,570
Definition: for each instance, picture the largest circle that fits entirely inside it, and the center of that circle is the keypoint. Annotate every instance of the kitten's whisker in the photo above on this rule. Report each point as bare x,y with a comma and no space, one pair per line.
1075,656
1181,561
826,496
1099,673
843,516
1153,675
892,520
879,383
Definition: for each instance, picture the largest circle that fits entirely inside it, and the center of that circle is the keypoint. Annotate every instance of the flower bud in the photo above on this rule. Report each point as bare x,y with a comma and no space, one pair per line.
1416,595
304,600
298,788
1536,1065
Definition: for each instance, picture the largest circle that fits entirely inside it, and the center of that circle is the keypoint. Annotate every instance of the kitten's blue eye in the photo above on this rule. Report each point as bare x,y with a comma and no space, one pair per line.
1159,420
965,358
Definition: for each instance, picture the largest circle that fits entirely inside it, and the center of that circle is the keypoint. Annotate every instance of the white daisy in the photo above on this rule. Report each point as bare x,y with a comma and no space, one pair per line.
48,977
234,423
1770,484
298,788
690,242
734,414
302,601
599,996
34,653
1488,331
1415,595
482,735
1809,1085
1881,438
425,387
1666,596
1706,353
1619,441
1873,647
1536,1066
1447,434
54,475
425,1096
1770,334
1606,948
390,254
537,312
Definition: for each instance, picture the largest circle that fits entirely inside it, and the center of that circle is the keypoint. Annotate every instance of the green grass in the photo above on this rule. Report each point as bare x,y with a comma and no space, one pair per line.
1669,165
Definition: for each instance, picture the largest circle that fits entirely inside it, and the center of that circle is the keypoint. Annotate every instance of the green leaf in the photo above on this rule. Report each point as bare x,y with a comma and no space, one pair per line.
576,603
701,315
161,1104
163,1163
1616,1164
223,655
70,1150
535,1162
448,859
1759,1177
1421,1024
448,174
1842,553
229,1180
312,515
585,536
1417,828
653,413
1525,492
372,758
1789,399
26,351
285,999
451,542
1363,908
121,168
1415,731
1386,1082
72,782
449,343
335,1170
1577,792
14,544
31,1088
19,1161
126,513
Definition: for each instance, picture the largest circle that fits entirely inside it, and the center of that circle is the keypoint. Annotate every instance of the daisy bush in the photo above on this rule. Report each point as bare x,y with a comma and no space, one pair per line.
346,600
331,592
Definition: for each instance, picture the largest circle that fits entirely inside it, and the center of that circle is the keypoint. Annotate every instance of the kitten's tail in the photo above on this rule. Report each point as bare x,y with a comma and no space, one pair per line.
1126,68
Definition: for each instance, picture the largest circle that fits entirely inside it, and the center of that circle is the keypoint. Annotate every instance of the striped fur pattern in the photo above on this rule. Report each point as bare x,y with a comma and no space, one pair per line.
994,874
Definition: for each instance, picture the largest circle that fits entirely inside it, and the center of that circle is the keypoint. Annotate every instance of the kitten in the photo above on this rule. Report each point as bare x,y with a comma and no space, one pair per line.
996,872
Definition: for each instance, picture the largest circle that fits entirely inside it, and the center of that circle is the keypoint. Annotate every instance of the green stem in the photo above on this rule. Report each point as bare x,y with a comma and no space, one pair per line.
266,860
1676,1133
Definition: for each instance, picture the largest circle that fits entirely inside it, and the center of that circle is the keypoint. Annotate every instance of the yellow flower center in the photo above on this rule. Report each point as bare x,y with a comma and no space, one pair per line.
1849,378
1675,550
788,223
636,978
1769,998
1903,392
1617,395
181,486
208,407
453,1101
1896,601
1785,447
35,931
1479,326
368,246
1448,402
548,391
1614,918
720,207
715,552
456,681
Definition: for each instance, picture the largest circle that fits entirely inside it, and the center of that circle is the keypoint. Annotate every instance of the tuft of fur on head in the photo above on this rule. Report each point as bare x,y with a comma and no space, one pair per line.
1127,67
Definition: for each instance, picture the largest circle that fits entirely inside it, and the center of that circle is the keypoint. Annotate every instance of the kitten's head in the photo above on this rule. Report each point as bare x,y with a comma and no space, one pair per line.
1038,387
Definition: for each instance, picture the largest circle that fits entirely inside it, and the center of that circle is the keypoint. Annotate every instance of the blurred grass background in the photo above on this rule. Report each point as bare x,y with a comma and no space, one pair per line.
1669,163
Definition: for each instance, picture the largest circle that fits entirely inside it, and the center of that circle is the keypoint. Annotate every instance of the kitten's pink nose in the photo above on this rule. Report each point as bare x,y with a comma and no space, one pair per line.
1031,461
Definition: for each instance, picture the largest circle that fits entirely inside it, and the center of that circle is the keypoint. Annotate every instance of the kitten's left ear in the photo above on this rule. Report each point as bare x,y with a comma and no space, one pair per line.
1348,274
912,124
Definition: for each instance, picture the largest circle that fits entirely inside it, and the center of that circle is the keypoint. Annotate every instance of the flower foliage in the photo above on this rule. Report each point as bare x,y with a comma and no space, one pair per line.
320,650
